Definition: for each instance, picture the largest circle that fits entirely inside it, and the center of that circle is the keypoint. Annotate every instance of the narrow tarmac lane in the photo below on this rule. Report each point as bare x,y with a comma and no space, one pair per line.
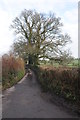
24,100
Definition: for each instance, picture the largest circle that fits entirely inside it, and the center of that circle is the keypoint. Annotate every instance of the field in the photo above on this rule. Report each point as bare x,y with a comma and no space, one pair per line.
74,63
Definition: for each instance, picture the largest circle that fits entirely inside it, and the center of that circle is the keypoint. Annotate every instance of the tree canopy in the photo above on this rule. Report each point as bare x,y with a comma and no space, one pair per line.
38,36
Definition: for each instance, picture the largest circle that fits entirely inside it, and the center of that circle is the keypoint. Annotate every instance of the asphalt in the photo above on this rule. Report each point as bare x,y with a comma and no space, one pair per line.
26,100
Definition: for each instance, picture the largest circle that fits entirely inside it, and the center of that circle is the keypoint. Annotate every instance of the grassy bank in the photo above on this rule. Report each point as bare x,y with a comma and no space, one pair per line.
12,71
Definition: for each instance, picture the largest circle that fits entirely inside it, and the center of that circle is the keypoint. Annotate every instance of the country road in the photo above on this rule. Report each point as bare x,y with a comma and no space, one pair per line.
25,100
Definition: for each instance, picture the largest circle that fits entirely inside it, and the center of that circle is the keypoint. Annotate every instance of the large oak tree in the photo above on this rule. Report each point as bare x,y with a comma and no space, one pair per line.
38,36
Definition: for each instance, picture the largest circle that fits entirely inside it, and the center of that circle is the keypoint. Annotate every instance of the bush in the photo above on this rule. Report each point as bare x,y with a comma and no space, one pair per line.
62,81
12,70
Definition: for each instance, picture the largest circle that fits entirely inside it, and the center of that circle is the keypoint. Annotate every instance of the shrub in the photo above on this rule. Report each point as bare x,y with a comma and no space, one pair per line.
62,81
12,70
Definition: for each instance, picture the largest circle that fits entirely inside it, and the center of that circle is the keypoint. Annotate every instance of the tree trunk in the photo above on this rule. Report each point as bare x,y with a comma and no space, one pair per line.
36,60
30,59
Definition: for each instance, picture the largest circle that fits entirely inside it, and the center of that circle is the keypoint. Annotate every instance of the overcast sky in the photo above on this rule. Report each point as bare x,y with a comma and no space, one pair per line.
66,9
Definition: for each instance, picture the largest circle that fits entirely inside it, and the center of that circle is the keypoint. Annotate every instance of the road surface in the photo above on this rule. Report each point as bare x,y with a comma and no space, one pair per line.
25,100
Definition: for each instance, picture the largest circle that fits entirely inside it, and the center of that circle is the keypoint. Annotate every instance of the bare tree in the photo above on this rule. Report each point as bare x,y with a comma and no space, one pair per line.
38,36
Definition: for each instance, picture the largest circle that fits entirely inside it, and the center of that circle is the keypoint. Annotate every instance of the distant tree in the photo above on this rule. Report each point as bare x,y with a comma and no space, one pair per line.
66,58
38,36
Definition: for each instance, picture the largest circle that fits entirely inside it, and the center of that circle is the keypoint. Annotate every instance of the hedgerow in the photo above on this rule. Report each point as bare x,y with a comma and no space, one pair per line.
12,71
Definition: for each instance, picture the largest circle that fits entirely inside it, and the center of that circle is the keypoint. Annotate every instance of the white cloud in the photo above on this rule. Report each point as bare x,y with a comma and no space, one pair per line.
42,5
71,16
5,34
72,30
70,20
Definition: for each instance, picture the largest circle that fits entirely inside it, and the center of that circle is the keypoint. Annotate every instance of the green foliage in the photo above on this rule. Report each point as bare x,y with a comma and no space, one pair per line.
74,63
20,74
